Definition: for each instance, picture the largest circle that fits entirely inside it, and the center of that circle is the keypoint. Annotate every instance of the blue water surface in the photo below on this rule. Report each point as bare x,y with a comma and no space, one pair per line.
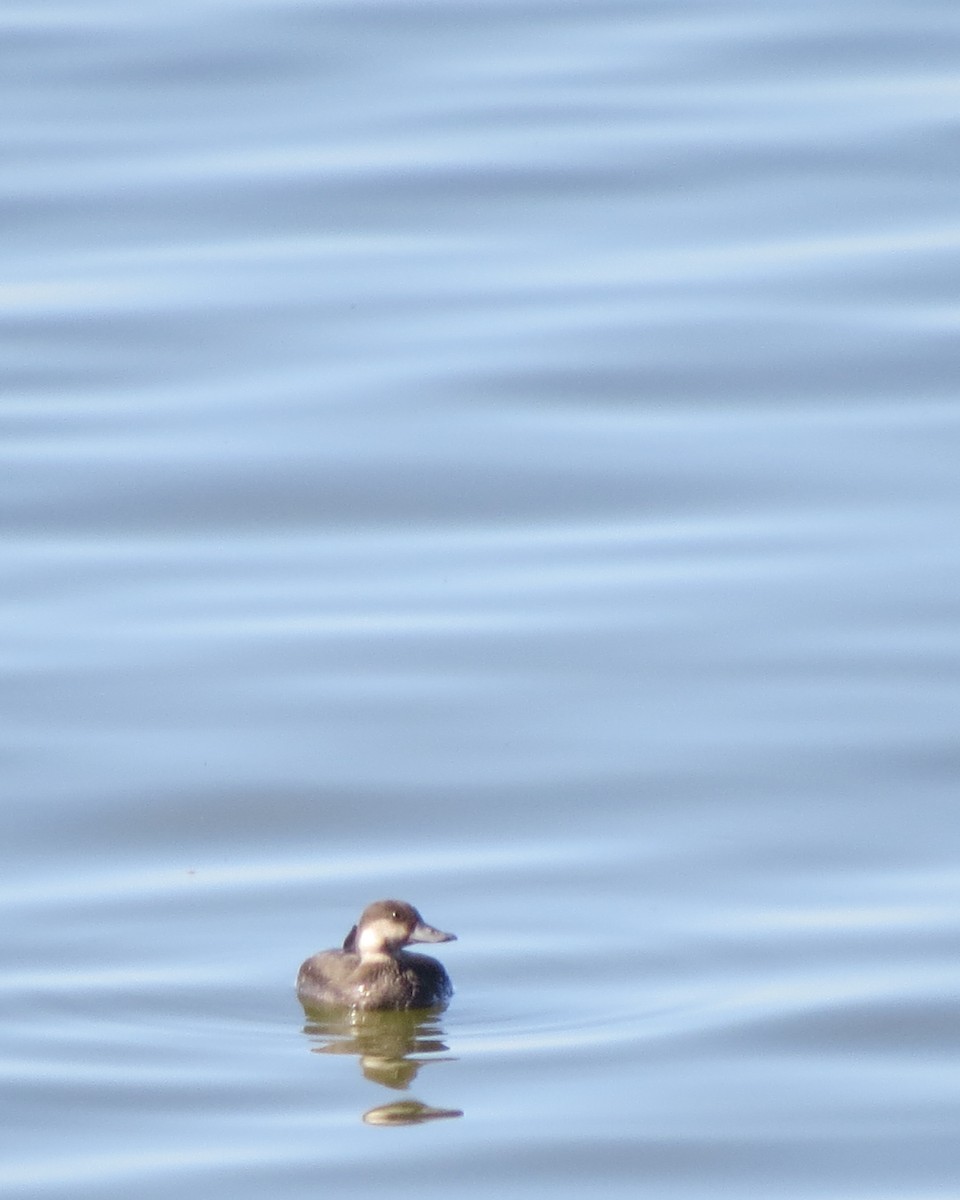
502,455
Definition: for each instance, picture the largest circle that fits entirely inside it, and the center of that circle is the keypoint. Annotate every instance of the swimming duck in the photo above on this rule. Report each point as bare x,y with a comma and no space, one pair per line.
373,970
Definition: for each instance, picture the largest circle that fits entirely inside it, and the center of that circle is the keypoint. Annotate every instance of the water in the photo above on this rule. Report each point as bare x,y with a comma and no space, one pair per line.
503,456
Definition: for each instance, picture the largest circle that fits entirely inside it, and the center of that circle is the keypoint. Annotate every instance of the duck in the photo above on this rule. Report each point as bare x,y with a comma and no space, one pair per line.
373,970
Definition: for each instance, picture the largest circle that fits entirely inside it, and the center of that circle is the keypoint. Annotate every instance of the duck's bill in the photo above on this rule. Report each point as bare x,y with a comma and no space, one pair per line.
427,933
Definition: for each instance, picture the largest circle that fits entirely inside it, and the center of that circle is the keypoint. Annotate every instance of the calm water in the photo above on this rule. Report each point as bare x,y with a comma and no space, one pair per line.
503,455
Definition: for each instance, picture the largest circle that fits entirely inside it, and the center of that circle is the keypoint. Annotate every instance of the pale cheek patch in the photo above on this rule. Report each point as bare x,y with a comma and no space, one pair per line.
374,939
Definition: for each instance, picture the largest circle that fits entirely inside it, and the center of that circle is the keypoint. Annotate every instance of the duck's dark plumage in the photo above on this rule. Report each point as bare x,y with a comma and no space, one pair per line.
373,970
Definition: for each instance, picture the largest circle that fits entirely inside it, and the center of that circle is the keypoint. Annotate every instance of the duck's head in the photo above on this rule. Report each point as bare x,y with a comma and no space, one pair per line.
386,926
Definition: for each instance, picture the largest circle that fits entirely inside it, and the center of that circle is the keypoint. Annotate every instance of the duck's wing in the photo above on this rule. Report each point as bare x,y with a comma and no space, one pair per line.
350,941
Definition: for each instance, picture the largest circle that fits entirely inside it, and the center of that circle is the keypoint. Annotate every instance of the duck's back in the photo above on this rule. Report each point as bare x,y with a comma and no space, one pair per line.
342,979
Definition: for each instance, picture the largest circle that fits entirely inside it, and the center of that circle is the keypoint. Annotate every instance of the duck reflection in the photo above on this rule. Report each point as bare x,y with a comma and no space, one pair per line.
392,1047
407,1112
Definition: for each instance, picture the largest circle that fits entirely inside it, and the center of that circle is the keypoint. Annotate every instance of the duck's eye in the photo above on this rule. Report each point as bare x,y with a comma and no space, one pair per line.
395,915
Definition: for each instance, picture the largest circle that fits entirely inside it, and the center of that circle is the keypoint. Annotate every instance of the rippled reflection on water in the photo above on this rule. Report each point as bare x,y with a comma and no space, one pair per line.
392,1048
